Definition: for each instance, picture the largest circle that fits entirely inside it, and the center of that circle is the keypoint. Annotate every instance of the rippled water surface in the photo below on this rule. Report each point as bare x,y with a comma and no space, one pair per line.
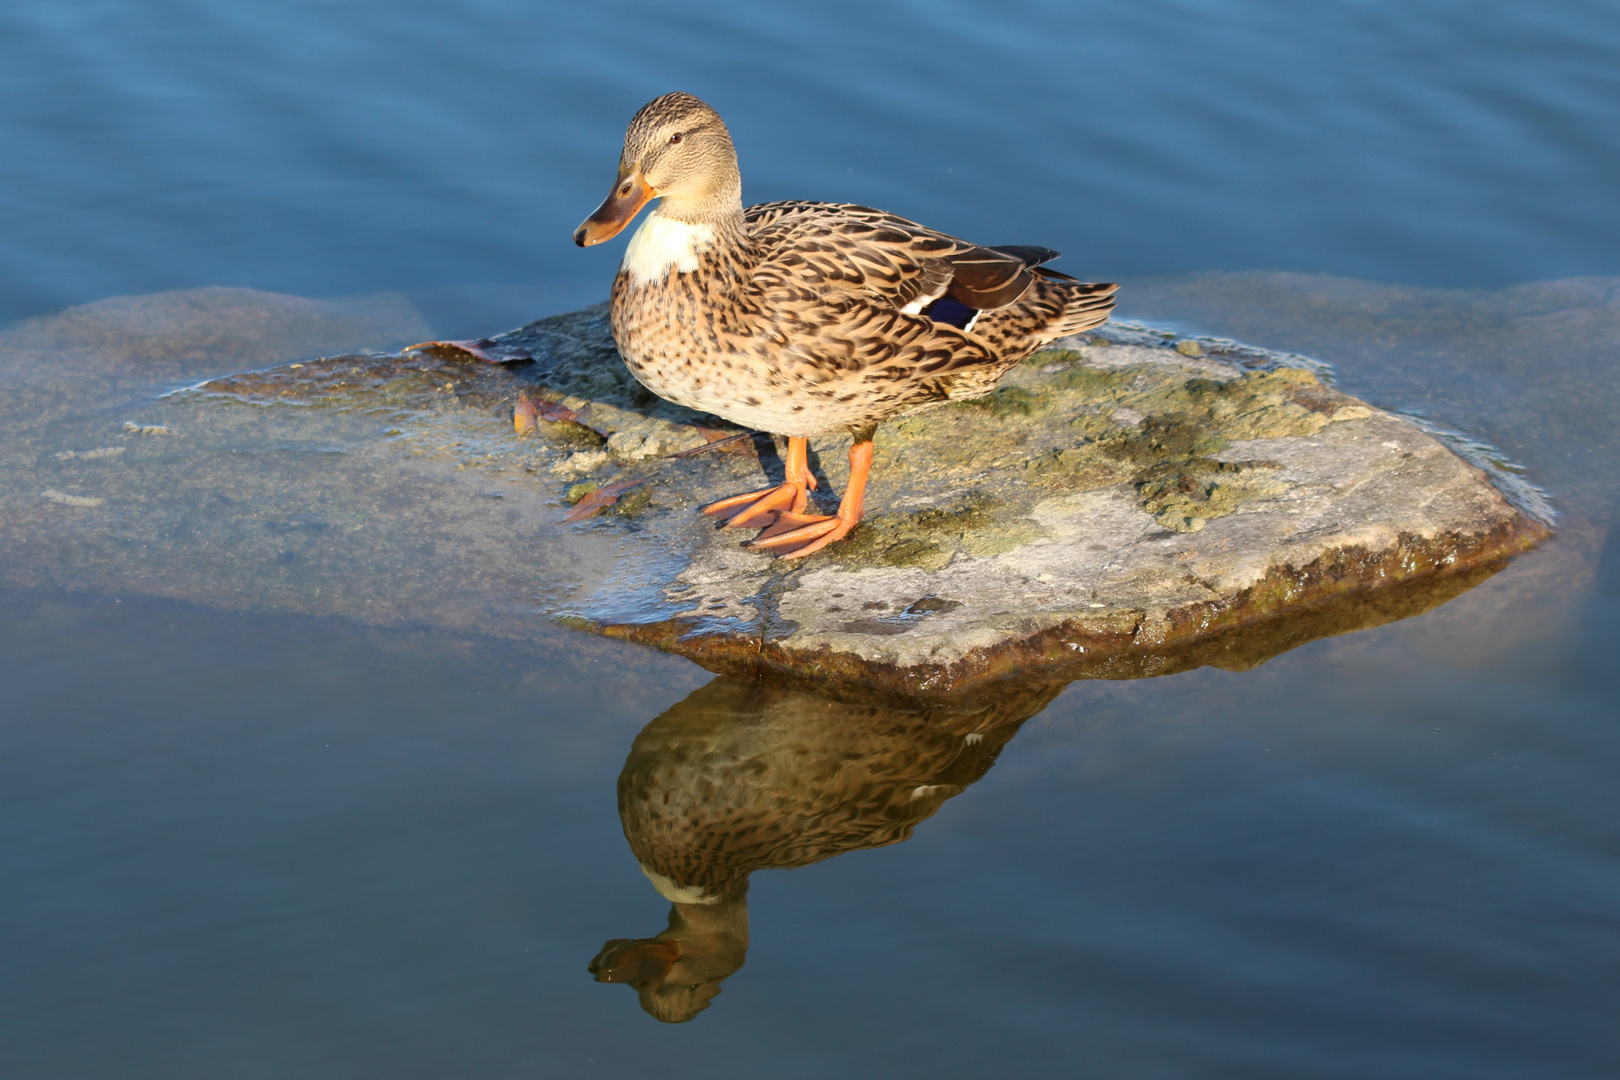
447,150
255,833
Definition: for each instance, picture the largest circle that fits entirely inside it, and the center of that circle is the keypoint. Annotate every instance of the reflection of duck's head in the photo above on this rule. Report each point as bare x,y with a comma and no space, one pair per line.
745,776
678,972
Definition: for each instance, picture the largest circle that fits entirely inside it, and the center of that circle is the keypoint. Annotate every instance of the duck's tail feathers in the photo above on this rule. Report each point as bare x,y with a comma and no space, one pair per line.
1055,306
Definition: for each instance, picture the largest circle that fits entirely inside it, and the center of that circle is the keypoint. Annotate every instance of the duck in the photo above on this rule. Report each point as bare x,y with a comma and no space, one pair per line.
808,319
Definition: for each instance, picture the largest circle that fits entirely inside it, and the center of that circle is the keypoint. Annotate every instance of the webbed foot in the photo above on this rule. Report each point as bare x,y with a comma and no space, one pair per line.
795,534
757,508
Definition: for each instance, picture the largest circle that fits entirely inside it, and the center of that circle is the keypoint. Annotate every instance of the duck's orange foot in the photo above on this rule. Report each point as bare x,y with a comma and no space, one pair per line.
793,536
759,507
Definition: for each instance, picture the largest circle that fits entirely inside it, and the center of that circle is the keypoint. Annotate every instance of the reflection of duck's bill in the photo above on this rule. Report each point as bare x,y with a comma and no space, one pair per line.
679,894
637,961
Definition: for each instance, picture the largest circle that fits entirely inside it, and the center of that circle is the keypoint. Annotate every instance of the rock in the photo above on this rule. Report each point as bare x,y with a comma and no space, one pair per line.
1117,499
205,330
584,461
1116,507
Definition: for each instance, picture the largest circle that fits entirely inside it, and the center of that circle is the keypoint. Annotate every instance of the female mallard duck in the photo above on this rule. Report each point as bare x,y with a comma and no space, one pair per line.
806,318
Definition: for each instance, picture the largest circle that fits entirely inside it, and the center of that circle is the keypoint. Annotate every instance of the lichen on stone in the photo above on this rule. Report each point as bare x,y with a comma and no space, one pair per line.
1007,401
569,434
1183,424
1183,496
633,502
1071,421
973,524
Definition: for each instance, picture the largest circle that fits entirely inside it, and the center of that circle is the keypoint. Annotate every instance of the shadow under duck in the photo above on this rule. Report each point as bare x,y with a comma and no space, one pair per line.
808,318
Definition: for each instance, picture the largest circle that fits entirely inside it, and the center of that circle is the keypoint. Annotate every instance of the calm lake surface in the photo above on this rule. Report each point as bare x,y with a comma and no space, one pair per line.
255,839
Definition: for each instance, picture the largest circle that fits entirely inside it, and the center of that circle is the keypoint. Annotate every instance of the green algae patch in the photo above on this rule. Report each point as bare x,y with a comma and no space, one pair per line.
633,503
1076,420
569,433
1008,401
1090,383
1047,357
974,524
1184,496
1167,432
1079,420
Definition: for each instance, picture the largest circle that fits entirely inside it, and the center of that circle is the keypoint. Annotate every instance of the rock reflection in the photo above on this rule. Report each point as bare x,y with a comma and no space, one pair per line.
747,775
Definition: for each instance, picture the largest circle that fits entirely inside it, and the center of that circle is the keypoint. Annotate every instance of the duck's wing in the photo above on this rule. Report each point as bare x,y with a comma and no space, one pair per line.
892,262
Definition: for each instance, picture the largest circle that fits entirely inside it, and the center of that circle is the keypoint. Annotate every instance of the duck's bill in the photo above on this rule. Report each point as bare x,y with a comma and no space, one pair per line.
630,194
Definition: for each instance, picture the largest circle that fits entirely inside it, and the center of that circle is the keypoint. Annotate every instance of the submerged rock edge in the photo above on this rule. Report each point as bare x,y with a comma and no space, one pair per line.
1417,573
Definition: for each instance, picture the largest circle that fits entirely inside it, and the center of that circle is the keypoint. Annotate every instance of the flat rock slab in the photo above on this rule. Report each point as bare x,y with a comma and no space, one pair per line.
1122,496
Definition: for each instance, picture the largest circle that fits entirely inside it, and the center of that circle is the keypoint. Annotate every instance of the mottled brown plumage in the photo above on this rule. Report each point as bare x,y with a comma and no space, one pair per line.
808,318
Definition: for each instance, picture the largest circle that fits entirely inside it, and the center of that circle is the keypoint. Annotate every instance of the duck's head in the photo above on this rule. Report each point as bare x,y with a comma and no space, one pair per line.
676,149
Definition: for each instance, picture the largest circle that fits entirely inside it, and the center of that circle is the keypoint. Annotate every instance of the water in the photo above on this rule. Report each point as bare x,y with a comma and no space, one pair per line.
448,151
258,843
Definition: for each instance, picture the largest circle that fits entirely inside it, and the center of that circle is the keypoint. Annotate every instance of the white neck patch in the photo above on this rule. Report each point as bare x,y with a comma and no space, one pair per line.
661,243
677,894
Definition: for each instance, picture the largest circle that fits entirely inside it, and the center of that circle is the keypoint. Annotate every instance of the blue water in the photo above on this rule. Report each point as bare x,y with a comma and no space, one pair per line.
238,844
447,150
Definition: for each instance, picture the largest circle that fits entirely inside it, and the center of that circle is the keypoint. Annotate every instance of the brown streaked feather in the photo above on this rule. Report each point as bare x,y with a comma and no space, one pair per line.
893,261
993,277
1054,275
1053,308
898,257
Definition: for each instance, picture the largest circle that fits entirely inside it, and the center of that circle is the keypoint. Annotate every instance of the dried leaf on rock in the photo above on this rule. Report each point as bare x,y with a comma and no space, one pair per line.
600,499
555,413
523,415
488,350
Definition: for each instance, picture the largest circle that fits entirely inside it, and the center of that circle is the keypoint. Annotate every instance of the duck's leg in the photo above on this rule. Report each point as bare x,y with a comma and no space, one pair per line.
758,508
795,535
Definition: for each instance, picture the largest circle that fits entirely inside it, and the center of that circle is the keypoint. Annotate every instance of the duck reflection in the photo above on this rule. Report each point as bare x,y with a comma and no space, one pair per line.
745,776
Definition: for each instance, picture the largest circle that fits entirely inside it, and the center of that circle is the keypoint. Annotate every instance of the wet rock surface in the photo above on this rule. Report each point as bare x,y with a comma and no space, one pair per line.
1120,505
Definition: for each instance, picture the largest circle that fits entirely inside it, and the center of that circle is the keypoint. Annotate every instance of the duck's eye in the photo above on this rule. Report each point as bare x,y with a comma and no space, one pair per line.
675,138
